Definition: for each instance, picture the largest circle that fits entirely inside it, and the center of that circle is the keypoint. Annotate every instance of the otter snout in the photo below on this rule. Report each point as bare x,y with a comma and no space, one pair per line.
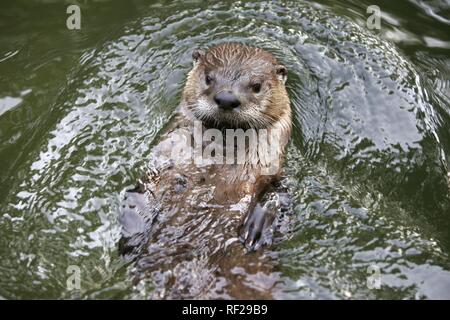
226,100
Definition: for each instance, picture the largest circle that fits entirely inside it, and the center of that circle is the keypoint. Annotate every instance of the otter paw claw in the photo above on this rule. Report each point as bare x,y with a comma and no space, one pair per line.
257,229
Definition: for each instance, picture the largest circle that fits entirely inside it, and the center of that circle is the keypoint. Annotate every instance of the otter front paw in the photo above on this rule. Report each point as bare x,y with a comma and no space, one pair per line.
257,230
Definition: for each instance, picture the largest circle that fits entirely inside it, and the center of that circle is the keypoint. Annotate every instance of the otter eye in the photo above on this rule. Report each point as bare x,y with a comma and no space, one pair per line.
256,87
208,79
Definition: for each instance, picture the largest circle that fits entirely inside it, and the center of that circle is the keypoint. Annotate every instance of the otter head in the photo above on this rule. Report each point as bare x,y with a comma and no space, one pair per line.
236,86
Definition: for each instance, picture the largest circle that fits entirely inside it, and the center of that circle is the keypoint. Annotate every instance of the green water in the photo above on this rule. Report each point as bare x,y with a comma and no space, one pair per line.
367,163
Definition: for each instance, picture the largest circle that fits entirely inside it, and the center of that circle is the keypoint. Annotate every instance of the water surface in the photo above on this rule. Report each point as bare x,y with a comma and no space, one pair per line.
367,164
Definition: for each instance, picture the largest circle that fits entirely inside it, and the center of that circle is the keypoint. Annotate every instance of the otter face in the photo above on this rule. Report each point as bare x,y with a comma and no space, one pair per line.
237,86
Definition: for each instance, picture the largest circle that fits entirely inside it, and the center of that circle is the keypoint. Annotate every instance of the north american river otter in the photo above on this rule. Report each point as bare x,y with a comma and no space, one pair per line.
207,177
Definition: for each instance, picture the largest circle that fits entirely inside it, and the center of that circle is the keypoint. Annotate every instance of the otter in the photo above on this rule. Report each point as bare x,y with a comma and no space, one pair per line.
207,188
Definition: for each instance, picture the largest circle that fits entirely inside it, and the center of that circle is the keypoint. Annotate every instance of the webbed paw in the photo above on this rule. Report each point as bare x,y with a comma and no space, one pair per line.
257,230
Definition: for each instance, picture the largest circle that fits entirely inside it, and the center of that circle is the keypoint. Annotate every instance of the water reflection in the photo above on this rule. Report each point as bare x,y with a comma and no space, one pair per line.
367,164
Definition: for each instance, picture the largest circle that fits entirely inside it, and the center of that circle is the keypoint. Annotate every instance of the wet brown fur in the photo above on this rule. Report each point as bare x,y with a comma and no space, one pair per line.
209,193
232,61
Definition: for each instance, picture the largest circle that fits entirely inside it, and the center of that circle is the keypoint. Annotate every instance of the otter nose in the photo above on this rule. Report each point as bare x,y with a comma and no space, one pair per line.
226,100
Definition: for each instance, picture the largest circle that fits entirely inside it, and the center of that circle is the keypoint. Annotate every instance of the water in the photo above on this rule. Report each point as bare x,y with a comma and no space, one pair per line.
367,163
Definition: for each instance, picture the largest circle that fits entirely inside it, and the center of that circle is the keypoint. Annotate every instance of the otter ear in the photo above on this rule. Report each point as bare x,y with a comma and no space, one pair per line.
197,55
281,72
